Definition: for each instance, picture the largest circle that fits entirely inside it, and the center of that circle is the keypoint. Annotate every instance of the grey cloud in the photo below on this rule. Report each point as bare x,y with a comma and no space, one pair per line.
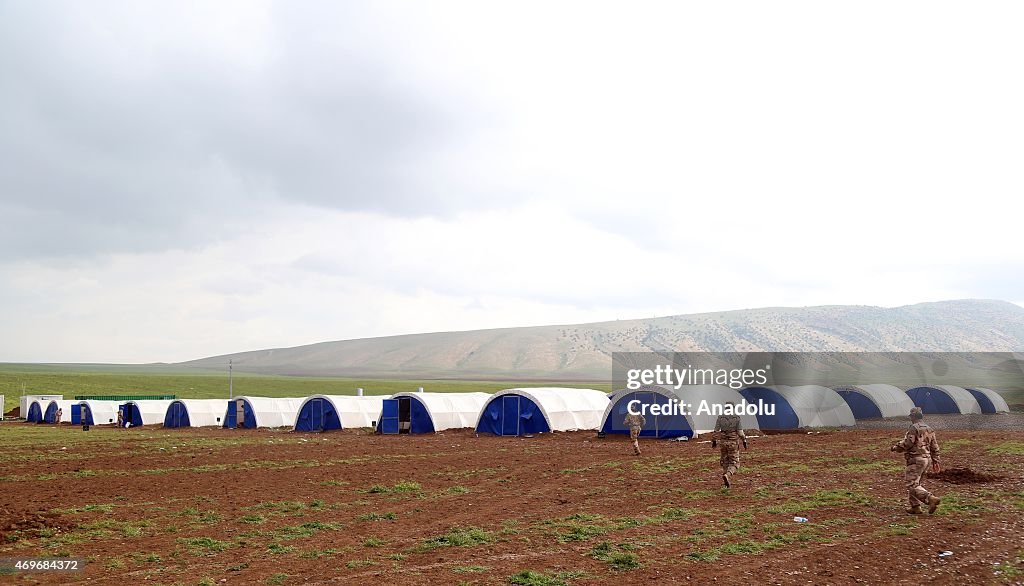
113,144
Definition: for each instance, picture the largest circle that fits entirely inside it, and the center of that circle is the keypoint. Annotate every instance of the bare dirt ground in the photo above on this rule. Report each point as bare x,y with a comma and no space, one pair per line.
216,506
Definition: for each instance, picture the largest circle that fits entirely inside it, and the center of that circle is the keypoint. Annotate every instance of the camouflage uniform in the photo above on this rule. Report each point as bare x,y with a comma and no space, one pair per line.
729,433
921,450
635,423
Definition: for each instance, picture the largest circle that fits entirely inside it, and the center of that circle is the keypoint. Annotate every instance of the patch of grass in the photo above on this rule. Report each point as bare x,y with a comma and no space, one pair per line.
388,516
404,486
615,556
373,542
277,578
1010,448
278,549
955,504
901,528
821,498
531,578
470,569
661,466
353,564
304,530
238,567
457,537
457,490
204,546
253,519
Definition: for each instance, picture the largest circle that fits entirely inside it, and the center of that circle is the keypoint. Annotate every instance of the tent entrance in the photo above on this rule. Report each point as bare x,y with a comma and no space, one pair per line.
240,413
404,415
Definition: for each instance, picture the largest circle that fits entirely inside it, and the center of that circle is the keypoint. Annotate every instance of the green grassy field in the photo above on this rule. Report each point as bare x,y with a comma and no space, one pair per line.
142,380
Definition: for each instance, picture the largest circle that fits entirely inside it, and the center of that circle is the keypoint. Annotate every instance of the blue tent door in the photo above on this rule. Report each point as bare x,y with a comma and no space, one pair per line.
316,414
509,423
389,417
76,414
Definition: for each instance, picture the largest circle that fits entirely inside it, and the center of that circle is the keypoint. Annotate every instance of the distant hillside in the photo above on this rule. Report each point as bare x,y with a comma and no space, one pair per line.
581,352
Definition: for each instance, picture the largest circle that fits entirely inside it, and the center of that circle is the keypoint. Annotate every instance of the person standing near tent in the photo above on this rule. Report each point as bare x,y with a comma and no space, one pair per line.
729,432
635,422
120,418
921,450
60,414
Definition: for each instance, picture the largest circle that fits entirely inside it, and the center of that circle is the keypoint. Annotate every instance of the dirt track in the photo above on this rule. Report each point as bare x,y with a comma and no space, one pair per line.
188,506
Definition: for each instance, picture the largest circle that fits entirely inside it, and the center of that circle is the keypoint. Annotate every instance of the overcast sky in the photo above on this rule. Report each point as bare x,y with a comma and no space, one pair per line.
184,179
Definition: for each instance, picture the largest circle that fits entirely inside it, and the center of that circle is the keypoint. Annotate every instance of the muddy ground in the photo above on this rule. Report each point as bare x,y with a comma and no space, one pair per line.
219,506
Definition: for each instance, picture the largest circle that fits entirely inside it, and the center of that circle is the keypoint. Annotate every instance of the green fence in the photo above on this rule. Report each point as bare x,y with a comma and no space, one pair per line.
125,397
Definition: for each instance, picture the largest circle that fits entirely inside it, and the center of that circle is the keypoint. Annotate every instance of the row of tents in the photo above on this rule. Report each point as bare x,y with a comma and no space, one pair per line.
534,410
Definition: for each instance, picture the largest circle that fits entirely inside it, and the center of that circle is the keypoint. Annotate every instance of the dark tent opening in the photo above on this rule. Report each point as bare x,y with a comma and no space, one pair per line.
784,418
512,414
35,413
658,426
405,415
862,406
317,414
240,410
132,415
51,413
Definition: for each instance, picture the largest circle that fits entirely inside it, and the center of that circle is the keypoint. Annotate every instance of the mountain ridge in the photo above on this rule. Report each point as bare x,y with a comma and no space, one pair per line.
583,351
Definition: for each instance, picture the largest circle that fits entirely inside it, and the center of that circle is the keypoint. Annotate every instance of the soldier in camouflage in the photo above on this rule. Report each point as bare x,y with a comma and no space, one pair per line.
921,450
729,432
635,422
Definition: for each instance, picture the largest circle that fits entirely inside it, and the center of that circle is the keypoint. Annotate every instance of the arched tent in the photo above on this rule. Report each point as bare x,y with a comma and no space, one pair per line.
523,411
50,413
700,415
989,400
194,413
253,412
98,412
870,401
35,412
430,412
944,399
144,412
801,406
327,412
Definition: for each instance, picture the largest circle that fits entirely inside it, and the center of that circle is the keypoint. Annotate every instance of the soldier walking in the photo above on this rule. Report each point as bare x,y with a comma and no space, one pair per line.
729,432
921,450
635,422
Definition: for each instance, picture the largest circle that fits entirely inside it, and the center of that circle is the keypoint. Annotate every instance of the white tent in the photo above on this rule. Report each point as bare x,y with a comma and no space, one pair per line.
868,401
194,413
998,402
326,412
701,403
250,412
102,412
145,412
796,407
430,412
521,411
43,400
818,406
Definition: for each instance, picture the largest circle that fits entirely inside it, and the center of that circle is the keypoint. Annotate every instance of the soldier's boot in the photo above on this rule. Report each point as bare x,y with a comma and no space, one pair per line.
933,504
725,480
914,510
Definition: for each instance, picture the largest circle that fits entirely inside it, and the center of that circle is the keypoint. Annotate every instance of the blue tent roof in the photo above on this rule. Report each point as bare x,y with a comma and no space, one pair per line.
658,426
785,416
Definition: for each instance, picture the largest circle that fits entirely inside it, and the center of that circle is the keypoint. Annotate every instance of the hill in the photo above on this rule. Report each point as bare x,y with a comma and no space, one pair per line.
583,352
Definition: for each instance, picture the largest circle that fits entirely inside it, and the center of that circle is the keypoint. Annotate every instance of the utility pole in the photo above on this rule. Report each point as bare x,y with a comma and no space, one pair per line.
231,381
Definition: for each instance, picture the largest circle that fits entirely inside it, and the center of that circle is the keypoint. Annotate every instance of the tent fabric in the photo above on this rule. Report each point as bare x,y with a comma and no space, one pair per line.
144,412
98,412
25,402
263,412
50,411
194,413
664,426
431,412
868,401
35,412
938,399
990,401
800,406
327,412
539,410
